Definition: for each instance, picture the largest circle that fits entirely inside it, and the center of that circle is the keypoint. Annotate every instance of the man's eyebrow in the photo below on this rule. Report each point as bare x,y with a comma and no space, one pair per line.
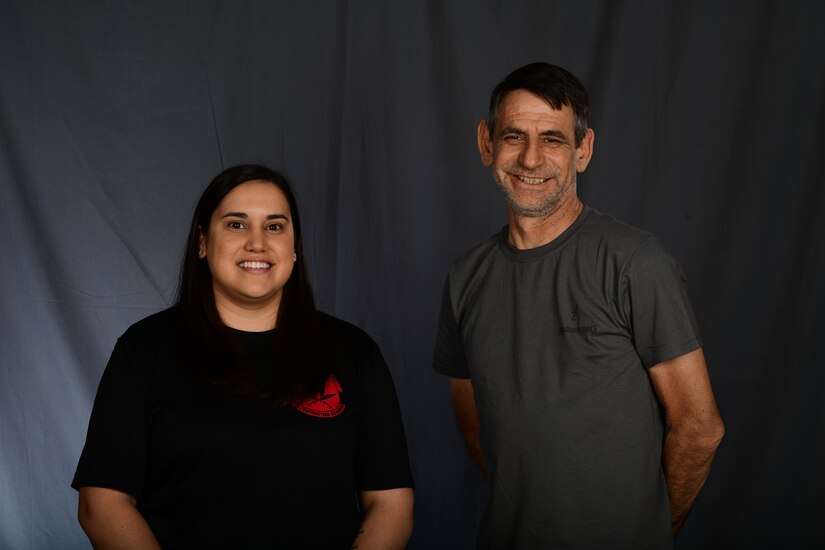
554,133
547,133
244,215
512,130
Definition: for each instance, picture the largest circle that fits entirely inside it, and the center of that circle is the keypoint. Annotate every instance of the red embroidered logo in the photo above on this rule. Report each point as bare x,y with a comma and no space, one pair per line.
326,404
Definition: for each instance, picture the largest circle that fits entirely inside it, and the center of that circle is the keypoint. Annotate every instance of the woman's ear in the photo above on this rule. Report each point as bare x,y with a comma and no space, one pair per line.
201,244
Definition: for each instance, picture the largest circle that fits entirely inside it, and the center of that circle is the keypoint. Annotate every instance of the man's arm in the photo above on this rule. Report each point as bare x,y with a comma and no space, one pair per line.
111,520
694,428
386,519
464,405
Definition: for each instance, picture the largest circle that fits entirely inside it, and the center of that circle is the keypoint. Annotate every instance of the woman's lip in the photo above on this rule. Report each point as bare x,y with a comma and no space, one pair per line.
254,264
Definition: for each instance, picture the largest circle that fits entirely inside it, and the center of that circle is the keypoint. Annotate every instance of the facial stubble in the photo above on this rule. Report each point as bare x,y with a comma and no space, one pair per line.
545,207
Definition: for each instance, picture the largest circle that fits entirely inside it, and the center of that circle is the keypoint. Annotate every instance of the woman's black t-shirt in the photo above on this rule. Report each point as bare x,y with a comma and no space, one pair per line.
211,470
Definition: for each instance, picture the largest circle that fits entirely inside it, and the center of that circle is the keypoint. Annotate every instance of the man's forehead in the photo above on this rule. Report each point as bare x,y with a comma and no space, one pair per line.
526,106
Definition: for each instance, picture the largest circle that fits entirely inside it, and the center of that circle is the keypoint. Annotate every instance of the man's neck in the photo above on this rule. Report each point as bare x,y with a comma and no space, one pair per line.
526,232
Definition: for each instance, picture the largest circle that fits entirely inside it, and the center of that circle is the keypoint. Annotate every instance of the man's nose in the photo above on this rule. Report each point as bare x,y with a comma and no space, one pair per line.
531,156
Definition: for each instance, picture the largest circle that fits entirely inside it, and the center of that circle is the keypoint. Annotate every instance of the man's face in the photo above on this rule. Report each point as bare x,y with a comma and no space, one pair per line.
533,153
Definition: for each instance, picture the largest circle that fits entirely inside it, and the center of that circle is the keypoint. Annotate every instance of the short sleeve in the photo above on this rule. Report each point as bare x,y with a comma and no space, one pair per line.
382,460
656,303
114,455
449,357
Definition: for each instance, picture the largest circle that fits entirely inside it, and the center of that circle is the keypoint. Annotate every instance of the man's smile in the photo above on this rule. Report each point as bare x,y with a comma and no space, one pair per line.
532,181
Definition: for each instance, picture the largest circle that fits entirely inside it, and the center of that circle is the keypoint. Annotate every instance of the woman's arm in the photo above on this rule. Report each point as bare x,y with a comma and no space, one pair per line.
111,520
386,519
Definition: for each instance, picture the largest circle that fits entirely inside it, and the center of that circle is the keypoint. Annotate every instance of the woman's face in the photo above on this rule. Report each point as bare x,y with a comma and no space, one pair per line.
250,249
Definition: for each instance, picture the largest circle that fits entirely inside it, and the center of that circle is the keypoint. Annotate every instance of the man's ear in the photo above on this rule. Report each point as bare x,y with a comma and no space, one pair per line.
585,150
485,144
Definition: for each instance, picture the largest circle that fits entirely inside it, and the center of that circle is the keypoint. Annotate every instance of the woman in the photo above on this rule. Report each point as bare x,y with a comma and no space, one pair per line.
242,416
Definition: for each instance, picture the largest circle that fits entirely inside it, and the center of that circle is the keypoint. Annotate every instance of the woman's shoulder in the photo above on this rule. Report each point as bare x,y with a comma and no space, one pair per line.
362,365
350,338
333,325
146,349
162,325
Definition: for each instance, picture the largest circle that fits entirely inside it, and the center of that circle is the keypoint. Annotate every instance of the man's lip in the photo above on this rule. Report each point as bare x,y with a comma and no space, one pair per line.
529,180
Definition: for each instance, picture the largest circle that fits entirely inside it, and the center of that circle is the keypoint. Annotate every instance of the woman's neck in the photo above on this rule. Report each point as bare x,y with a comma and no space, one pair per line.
245,318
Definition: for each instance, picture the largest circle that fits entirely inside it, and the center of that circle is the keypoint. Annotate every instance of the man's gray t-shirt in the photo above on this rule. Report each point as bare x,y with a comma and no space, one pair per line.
557,341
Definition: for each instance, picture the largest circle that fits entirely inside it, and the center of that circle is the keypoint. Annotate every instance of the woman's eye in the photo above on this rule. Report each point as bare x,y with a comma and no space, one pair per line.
235,225
274,227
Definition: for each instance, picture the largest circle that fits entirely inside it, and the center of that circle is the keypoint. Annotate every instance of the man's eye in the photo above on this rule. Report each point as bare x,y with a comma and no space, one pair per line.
512,137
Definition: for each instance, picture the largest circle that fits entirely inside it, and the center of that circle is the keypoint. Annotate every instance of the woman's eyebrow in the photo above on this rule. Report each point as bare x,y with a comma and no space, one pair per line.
244,215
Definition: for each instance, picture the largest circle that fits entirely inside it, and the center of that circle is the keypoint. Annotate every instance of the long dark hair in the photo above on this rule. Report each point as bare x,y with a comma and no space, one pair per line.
301,363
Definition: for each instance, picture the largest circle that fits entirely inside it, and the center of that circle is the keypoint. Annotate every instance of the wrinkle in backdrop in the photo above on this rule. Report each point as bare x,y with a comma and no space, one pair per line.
710,128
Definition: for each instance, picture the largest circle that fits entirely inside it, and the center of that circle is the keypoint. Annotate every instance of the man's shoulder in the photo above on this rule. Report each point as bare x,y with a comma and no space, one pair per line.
608,227
470,260
614,237
628,245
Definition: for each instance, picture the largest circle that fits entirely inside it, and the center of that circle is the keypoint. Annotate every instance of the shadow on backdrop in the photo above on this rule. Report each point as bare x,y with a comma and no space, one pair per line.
710,127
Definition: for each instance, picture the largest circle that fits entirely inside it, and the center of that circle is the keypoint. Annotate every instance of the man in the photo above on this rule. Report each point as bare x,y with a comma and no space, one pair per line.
575,364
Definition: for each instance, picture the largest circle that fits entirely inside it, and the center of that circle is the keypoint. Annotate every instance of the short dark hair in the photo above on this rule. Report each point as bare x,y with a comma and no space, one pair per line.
297,323
555,85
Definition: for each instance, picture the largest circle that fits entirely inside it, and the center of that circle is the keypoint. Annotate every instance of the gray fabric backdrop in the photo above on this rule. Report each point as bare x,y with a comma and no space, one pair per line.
710,132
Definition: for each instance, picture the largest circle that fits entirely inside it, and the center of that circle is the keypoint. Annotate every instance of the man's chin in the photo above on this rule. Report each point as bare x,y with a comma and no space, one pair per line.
526,210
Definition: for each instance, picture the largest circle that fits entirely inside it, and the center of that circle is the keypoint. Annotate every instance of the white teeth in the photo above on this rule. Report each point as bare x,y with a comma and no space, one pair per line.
255,265
531,180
